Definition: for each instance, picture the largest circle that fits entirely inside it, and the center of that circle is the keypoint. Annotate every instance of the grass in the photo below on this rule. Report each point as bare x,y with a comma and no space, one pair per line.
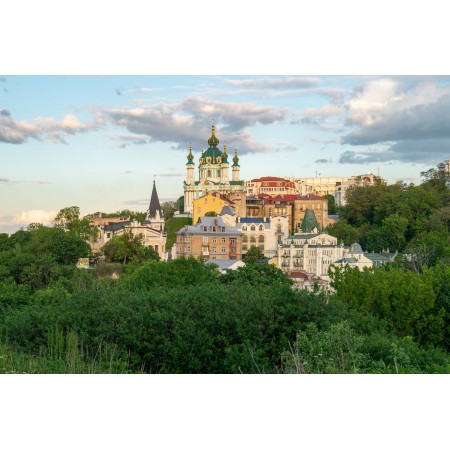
173,225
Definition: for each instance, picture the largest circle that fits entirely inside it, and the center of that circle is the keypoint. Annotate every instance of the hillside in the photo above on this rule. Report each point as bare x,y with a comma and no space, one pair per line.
173,225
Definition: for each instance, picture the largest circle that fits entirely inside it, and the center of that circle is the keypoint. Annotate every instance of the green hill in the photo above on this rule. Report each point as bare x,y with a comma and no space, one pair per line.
173,225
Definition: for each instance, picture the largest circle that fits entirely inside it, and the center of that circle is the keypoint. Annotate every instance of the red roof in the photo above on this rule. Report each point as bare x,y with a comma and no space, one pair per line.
311,197
279,197
270,179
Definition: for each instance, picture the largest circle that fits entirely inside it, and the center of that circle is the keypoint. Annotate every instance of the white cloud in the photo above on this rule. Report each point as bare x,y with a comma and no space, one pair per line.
19,131
323,111
189,121
24,218
275,83
384,110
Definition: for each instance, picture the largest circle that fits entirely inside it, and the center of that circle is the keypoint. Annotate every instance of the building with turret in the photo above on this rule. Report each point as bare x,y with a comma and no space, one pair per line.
152,230
213,174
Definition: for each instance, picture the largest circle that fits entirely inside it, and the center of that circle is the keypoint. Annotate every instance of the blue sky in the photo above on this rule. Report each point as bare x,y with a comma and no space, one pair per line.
97,141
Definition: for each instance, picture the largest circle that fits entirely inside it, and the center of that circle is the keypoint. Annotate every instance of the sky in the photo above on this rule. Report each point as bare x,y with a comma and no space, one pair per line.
99,141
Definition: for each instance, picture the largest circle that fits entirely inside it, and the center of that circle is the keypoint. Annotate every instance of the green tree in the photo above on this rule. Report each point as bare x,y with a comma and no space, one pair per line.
169,209
344,232
253,254
127,247
332,206
211,214
68,219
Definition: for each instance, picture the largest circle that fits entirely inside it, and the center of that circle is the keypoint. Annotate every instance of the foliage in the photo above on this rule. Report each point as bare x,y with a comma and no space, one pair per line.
344,232
403,298
68,219
332,206
169,208
253,254
128,247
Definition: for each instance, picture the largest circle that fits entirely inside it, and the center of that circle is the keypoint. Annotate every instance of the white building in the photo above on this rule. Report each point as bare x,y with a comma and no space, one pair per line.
312,253
152,229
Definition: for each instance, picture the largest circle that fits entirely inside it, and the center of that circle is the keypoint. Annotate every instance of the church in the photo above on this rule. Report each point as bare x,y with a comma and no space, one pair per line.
213,173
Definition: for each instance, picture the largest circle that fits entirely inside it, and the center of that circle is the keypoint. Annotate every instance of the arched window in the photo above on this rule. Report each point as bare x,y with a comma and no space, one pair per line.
261,227
244,228
253,228
261,238
253,239
244,238
208,174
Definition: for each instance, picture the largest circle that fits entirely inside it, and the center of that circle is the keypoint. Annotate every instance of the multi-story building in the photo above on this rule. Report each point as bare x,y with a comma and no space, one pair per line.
293,207
213,174
152,229
444,166
262,232
311,202
211,202
272,186
210,238
312,253
335,186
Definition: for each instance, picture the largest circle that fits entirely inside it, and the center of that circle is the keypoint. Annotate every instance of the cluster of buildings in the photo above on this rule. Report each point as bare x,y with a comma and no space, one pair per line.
286,218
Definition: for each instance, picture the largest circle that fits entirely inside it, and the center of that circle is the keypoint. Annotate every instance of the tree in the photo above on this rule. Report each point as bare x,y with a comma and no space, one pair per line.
211,214
180,204
332,207
253,254
344,232
68,219
169,208
128,247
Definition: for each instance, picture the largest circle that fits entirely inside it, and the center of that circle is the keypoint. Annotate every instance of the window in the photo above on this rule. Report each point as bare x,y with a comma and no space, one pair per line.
244,238
252,239
244,228
261,238
108,235
223,240
214,240
205,240
208,174
223,250
244,248
214,250
232,241
253,228
261,227
205,229
156,248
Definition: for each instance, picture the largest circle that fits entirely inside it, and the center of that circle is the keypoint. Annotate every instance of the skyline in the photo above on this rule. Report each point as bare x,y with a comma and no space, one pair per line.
97,142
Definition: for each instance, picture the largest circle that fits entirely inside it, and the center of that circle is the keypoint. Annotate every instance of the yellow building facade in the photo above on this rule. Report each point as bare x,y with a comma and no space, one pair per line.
211,202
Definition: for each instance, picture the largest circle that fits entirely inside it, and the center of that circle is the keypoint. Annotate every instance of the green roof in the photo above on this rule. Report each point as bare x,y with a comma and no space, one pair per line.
309,222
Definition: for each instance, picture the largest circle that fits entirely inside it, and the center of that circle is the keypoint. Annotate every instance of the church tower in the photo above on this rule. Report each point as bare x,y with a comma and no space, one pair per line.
155,215
236,167
213,171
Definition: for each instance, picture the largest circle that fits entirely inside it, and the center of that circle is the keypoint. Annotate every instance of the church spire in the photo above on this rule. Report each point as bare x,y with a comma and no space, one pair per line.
154,210
190,157
213,141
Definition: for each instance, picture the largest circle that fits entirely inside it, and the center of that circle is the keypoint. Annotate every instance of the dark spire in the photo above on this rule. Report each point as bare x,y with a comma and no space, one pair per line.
154,204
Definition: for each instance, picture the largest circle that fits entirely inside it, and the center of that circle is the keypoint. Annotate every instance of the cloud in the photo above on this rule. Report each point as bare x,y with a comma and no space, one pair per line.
3,79
425,151
4,180
188,121
322,161
275,83
138,90
324,111
19,132
384,110
26,217
170,174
